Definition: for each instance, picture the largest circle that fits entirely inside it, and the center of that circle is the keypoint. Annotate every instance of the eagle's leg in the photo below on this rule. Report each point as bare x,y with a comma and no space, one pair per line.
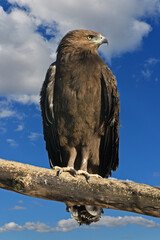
71,153
72,156
84,163
85,156
83,169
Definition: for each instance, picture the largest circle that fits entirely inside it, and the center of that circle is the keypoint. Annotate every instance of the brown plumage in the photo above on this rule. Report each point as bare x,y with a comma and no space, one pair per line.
80,111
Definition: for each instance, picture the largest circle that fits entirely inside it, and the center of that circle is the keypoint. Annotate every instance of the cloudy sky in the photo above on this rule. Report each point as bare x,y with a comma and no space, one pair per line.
30,31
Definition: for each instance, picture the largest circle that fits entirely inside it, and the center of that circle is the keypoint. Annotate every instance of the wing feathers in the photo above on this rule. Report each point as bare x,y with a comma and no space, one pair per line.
109,157
49,128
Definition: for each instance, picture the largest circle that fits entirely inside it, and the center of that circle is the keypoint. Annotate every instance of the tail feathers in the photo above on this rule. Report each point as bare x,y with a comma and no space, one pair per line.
86,214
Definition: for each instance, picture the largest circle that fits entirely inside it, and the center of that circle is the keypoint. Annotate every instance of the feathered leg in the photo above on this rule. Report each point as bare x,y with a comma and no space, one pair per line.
70,153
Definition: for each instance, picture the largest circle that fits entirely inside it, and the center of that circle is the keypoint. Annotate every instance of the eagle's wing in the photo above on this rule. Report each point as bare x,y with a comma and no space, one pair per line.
109,149
49,128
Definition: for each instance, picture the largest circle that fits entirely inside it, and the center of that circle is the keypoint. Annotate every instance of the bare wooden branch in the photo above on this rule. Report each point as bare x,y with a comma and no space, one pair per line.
72,190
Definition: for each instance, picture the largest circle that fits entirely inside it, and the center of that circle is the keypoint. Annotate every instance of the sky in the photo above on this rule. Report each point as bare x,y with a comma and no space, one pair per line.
30,31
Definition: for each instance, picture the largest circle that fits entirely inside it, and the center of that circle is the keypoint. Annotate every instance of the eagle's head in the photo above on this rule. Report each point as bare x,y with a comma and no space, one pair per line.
82,39
86,214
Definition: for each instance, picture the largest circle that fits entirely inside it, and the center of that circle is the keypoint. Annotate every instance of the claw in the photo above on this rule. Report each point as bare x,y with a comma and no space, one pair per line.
87,175
71,170
88,178
65,169
59,172
58,169
84,173
96,175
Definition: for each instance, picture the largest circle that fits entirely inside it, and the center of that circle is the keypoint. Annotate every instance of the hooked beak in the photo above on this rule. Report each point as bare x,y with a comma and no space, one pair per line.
104,40
99,40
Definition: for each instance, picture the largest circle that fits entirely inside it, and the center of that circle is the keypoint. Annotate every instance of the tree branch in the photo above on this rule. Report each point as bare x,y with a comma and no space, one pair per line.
72,190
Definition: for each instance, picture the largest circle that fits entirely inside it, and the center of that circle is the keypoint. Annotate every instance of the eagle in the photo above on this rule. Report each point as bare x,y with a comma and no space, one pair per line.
80,111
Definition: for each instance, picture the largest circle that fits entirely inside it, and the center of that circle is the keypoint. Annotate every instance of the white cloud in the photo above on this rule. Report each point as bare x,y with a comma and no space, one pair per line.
11,227
26,54
38,227
146,73
6,110
18,208
3,128
33,136
152,61
67,225
12,142
148,68
108,221
24,98
4,113
19,128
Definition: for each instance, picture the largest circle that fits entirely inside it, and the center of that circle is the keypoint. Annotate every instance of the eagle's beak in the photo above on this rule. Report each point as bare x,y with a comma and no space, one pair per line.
104,40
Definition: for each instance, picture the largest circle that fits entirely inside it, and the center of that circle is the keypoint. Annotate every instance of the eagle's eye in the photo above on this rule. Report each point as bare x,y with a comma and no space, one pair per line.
89,37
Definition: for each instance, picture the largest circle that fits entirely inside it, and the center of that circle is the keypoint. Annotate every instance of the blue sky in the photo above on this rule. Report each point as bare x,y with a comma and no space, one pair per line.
30,32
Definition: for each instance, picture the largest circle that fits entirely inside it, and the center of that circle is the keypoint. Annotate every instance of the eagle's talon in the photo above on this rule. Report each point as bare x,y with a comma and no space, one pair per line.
84,173
96,175
65,169
73,171
88,178
59,172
